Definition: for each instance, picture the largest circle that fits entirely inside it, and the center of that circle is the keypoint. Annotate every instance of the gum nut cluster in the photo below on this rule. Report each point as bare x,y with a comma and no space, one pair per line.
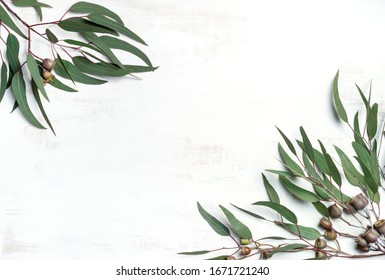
326,224
48,65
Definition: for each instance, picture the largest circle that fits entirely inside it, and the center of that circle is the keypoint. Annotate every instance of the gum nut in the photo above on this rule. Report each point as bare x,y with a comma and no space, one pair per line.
364,249
371,235
245,250
334,211
48,64
321,243
359,201
380,226
325,223
320,255
331,234
245,241
350,209
47,75
361,242
230,258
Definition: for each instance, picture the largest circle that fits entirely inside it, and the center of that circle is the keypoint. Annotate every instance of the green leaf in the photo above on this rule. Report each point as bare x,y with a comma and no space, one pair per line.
280,209
307,145
288,142
219,258
82,44
333,189
291,164
51,37
290,247
297,191
331,166
19,91
13,53
370,182
105,21
94,39
104,69
305,232
249,213
7,20
62,66
217,226
3,80
86,7
320,160
29,3
115,43
40,104
369,161
350,171
357,133
75,24
321,208
194,253
35,73
239,228
279,172
372,121
363,96
273,195
272,238
337,101
59,85
76,74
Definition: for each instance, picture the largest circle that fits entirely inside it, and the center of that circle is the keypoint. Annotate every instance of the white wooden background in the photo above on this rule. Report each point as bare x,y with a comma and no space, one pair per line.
131,158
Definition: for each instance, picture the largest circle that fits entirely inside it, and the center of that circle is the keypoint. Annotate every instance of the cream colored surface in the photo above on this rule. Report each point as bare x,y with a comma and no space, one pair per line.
131,158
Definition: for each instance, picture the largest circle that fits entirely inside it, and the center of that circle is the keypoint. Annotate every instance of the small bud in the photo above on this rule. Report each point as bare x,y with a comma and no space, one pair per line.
245,241
325,223
266,254
334,211
361,241
230,258
320,243
380,226
47,75
359,201
48,64
331,234
371,235
245,250
364,249
350,209
320,255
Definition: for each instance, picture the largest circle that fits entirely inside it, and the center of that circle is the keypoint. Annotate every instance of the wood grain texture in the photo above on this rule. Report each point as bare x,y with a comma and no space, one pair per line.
131,158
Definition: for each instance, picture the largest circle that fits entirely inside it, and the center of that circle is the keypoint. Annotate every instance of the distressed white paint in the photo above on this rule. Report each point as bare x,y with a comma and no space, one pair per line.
131,158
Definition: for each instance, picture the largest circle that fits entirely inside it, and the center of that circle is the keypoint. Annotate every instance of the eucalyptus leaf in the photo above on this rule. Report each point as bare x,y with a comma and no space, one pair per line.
216,225
280,209
307,144
76,24
279,172
249,213
290,164
35,73
291,247
321,208
59,85
337,101
87,7
238,227
372,121
305,232
51,37
288,142
273,195
41,107
12,53
219,258
7,20
297,191
351,173
193,253
3,80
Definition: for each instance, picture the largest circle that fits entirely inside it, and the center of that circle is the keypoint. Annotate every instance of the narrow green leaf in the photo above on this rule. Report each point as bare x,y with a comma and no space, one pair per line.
216,225
51,37
321,208
288,142
195,253
219,258
19,91
363,96
280,209
331,165
62,66
59,85
3,80
75,74
7,20
372,121
370,182
297,191
368,160
115,43
273,195
249,213
279,172
291,247
75,24
13,53
104,69
357,132
40,104
107,22
305,232
328,184
337,101
238,227
35,73
307,145
350,171
320,160
291,164
86,7
94,39
82,44
272,238
29,3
